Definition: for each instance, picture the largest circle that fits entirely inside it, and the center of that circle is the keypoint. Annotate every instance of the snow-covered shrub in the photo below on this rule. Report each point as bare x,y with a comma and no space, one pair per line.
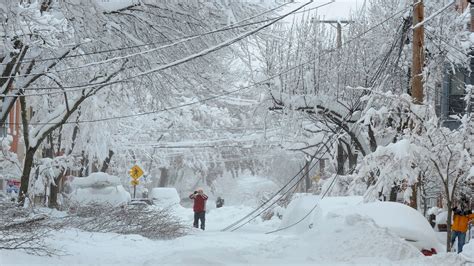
128,219
23,230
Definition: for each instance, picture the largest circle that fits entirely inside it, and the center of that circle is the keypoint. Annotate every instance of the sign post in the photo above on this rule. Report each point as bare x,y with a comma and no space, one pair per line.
135,172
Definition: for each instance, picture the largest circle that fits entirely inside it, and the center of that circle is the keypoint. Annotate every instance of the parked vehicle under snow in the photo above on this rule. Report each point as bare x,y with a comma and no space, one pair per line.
98,188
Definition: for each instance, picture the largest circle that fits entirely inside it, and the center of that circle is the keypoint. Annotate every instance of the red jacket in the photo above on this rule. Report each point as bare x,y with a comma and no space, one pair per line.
199,202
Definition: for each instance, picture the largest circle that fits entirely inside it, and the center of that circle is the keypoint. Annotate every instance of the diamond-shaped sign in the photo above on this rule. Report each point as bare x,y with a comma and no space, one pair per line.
135,172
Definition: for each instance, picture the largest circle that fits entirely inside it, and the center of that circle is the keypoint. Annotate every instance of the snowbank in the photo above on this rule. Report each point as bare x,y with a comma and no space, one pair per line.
302,204
98,188
468,251
401,219
354,238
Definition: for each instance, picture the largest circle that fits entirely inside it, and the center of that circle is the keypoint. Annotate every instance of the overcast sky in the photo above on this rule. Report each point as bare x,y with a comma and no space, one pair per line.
340,9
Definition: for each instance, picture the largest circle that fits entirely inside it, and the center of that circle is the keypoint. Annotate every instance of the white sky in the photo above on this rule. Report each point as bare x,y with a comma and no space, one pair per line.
340,9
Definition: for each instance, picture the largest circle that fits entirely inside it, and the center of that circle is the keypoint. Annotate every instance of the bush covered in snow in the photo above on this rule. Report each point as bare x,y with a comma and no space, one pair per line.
24,230
128,219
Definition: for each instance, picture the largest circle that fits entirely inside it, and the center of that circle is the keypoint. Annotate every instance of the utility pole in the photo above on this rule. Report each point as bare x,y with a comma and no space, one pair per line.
417,74
418,52
341,158
339,35
338,28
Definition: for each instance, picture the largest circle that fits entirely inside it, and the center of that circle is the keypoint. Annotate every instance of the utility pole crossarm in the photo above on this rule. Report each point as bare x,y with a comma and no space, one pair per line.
338,27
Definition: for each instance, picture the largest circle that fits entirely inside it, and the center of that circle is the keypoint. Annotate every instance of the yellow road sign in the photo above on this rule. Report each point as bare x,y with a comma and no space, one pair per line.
134,182
135,172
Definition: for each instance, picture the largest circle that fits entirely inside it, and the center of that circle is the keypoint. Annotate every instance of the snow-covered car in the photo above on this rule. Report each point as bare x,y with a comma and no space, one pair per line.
165,197
98,188
404,221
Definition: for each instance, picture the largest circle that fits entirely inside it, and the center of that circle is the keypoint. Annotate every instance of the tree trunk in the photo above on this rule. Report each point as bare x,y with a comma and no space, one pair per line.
84,165
340,159
54,190
448,226
322,168
414,196
105,164
25,176
352,156
393,193
163,177
307,179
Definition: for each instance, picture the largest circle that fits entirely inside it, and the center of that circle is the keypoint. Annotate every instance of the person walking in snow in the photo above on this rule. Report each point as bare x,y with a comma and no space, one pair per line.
459,227
199,207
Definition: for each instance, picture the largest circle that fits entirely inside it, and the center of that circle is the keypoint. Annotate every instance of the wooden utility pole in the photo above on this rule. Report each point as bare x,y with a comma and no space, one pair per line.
418,52
417,72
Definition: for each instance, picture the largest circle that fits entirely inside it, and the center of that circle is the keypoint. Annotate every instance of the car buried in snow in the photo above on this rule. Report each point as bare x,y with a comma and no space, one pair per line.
403,221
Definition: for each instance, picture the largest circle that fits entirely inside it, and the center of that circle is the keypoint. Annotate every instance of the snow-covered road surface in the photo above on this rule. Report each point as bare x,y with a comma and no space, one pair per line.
336,239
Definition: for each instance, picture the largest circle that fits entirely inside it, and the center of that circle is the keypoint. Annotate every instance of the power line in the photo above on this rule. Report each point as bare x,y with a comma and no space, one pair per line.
232,26
226,93
311,210
177,62
232,226
331,185
179,41
301,178
433,35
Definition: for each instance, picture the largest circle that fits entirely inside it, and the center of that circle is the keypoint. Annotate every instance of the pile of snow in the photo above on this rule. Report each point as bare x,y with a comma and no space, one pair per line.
302,204
165,196
352,239
402,220
98,188
468,250
442,217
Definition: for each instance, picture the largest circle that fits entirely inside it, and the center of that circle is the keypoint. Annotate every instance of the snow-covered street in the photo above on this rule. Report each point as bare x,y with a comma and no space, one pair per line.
336,239
237,132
